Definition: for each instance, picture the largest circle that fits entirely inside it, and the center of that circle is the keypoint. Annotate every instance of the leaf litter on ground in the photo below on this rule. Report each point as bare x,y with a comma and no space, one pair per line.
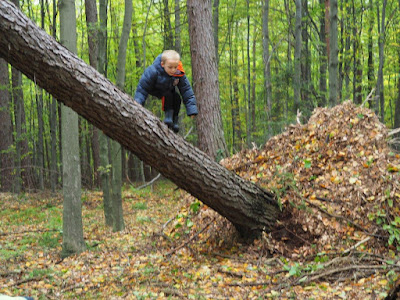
335,177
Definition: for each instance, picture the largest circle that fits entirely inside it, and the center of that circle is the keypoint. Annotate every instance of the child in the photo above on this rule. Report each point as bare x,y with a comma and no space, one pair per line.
161,80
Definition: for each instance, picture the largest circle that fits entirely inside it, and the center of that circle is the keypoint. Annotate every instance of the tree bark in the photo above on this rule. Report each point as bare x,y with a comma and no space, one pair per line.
297,58
205,77
379,84
6,132
323,56
267,65
116,149
73,241
79,86
91,20
333,54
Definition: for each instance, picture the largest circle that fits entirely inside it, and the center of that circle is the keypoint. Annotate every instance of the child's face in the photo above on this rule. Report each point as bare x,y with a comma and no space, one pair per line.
170,66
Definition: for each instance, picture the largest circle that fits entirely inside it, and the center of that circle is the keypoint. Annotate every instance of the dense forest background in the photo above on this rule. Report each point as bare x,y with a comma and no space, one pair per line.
276,61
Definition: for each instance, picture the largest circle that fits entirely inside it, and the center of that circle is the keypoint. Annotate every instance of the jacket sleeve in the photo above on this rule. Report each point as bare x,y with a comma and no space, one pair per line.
188,96
146,84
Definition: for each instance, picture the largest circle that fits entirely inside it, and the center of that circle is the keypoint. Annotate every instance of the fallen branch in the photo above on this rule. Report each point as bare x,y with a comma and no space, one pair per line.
305,279
150,182
356,245
19,282
189,240
394,131
28,231
338,217
369,97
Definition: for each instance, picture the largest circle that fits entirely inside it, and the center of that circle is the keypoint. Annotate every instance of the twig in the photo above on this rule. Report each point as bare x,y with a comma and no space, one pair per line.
356,245
304,279
36,278
344,219
150,182
28,231
298,116
189,240
187,134
394,131
368,97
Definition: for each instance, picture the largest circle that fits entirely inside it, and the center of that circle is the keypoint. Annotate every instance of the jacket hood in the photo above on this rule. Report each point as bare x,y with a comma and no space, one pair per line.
179,72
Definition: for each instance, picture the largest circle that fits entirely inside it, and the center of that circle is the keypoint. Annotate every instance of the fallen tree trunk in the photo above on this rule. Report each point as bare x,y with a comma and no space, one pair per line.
79,86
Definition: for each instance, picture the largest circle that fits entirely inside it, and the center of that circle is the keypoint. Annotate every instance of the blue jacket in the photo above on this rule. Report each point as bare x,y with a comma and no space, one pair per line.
155,81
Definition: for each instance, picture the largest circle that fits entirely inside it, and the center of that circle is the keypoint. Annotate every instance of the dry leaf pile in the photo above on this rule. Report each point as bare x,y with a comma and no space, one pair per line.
337,170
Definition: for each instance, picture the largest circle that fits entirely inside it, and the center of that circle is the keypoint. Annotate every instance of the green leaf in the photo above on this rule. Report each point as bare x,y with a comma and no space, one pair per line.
307,163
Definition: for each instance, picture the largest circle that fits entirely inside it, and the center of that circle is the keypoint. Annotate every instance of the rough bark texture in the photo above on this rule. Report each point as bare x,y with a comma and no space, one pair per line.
6,132
73,241
205,78
86,91
333,54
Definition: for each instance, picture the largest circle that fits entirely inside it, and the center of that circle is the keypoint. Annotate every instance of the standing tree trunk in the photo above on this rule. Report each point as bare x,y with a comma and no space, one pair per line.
72,211
371,71
379,84
6,132
267,66
235,110
397,106
91,20
357,67
168,34
249,207
323,56
205,77
53,121
297,58
105,172
118,218
215,21
333,53
40,145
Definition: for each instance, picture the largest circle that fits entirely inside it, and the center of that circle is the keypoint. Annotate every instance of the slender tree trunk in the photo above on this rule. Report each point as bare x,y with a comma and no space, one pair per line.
371,71
168,33
250,208
205,77
253,85
397,107
357,71
6,132
72,211
53,122
178,46
236,123
91,20
267,66
379,84
323,56
305,57
118,219
248,114
297,58
333,55
40,146
105,163
215,19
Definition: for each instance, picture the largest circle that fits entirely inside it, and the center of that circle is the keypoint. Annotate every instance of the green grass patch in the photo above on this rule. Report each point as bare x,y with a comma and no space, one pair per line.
139,205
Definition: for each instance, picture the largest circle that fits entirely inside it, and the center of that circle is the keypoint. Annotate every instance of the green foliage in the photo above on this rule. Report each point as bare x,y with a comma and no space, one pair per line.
139,205
50,240
392,227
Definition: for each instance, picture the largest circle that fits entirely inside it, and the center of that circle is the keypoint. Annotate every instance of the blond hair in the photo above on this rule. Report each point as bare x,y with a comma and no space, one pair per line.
170,55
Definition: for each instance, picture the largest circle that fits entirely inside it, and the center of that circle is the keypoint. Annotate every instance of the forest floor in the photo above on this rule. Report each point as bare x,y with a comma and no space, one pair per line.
338,237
